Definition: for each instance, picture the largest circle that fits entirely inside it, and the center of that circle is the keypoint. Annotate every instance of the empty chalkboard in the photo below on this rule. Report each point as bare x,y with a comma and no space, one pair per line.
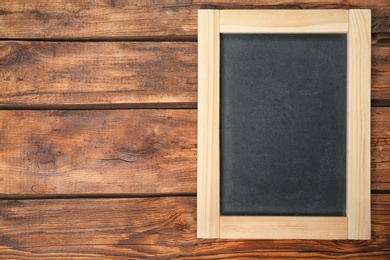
283,124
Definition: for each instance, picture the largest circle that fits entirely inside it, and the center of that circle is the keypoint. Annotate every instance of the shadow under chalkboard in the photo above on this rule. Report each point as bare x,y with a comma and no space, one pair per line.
283,124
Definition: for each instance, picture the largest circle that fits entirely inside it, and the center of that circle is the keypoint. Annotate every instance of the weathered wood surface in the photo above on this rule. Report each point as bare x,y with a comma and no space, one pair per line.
380,71
134,152
98,152
122,19
147,227
45,74
121,152
380,148
129,74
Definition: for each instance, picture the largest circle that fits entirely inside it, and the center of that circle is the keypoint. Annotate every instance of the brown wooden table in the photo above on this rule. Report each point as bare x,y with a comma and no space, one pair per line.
98,128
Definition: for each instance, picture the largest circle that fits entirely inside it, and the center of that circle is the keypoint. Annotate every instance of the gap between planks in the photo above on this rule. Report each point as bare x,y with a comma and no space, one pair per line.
380,103
94,196
110,39
106,106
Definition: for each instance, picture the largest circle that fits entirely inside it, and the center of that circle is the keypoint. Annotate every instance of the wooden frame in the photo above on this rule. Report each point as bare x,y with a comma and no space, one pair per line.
357,25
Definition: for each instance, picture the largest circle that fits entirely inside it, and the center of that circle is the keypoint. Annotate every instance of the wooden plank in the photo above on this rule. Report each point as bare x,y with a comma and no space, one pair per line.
91,73
255,227
284,21
358,124
120,252
126,19
58,74
151,227
102,19
380,148
46,153
97,152
208,124
380,72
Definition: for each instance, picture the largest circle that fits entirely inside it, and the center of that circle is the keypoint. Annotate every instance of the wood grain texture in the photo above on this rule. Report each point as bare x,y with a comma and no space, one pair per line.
44,153
380,148
147,227
151,227
358,124
97,152
271,227
284,21
93,73
124,19
208,124
103,19
380,72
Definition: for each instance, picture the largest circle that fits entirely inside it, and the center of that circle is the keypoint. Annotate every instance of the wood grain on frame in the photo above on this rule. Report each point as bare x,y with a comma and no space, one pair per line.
270,227
208,124
358,125
284,21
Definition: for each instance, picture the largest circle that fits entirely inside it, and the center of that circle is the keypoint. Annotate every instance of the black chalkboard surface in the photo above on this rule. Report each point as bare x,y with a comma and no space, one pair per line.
283,124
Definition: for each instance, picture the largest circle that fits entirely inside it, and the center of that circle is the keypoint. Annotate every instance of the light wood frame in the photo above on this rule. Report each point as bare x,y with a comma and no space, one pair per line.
357,25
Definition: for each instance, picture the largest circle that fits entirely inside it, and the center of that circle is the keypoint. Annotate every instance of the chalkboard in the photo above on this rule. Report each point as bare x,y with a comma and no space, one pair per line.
283,124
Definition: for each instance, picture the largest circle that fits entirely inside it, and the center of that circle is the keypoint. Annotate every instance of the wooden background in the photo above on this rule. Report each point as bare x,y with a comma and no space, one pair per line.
98,128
